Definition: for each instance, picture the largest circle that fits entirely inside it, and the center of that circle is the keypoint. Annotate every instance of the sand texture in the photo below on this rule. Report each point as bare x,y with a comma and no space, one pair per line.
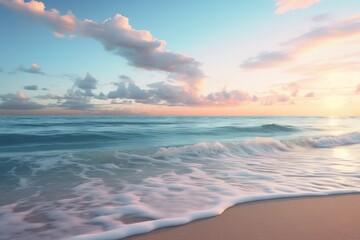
314,218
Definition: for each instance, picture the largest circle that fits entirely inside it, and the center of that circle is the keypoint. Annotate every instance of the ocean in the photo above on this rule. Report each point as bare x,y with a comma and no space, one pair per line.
65,177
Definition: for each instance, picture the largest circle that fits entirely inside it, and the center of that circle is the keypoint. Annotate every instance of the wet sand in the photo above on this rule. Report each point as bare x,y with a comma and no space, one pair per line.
311,218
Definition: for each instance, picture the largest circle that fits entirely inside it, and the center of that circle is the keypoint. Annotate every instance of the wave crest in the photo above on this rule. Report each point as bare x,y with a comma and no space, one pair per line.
266,128
256,146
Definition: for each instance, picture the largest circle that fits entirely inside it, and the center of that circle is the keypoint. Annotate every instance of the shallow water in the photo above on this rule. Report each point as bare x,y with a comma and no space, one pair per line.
111,177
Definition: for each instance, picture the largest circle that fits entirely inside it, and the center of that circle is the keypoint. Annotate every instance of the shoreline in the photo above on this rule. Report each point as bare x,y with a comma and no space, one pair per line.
335,216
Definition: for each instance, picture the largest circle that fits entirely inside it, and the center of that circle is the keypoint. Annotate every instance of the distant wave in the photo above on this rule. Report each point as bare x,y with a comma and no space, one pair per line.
16,139
95,123
266,128
74,135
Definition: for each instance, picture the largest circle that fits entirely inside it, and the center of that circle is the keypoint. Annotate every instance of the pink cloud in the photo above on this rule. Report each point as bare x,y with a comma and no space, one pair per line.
342,30
283,6
358,88
36,10
229,98
325,67
313,39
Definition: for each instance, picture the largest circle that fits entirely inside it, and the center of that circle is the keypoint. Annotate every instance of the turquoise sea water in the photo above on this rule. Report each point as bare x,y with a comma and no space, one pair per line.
112,177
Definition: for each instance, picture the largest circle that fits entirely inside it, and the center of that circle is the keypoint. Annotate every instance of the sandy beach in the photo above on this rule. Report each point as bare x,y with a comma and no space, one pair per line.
311,218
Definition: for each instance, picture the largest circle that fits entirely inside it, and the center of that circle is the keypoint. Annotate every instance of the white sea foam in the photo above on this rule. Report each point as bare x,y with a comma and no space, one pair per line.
144,227
333,141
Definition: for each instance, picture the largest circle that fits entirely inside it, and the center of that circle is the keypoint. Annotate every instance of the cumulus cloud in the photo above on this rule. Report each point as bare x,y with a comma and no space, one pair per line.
138,47
230,97
79,96
88,83
155,93
76,99
283,6
34,68
129,90
315,38
18,102
31,87
173,95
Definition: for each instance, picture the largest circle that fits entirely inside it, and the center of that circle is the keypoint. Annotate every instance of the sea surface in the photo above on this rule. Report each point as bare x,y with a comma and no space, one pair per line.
112,177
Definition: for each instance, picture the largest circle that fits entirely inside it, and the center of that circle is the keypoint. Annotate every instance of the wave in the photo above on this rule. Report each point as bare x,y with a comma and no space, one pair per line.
51,137
334,141
257,146
266,128
62,134
91,123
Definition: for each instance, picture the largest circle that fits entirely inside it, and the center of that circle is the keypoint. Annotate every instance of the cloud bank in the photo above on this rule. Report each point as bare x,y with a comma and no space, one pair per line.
162,93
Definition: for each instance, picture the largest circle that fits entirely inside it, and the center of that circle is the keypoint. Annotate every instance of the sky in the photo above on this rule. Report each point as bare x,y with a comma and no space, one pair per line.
167,57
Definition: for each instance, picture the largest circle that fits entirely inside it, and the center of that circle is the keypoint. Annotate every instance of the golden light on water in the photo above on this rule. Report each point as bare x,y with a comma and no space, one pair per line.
341,153
333,122
344,160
